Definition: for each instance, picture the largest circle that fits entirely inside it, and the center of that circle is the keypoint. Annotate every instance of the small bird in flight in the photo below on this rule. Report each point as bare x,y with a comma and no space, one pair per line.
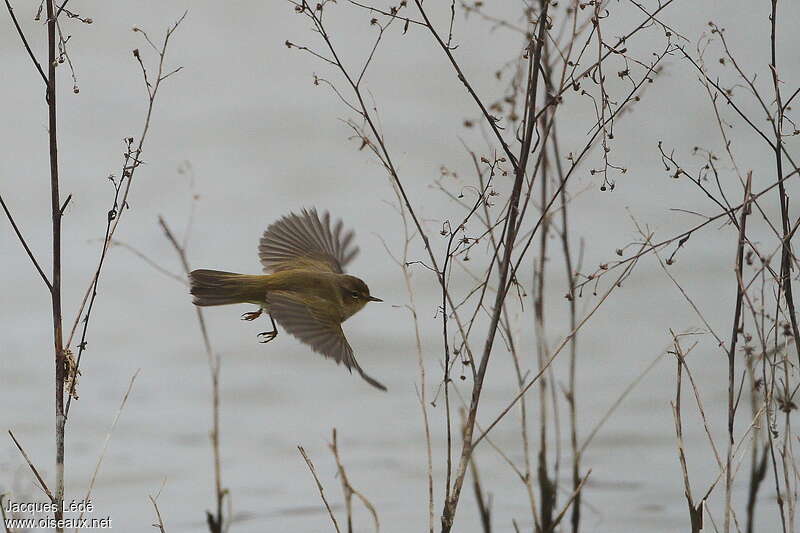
304,289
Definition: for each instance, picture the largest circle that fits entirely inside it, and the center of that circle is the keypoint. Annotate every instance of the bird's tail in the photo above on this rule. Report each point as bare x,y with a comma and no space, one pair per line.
214,287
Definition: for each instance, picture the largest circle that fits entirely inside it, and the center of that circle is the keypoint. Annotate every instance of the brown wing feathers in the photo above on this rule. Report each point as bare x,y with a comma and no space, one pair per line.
306,241
323,336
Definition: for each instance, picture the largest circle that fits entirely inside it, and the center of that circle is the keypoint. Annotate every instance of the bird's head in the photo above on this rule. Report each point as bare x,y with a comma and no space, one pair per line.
355,295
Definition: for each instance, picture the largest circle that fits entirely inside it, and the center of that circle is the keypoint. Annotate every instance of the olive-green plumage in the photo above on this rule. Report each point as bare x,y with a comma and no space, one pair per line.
305,289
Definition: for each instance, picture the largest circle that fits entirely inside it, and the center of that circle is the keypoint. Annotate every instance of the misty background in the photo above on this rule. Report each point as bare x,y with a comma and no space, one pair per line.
261,140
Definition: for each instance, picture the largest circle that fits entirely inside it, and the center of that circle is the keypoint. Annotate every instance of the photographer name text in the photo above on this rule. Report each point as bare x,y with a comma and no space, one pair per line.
73,506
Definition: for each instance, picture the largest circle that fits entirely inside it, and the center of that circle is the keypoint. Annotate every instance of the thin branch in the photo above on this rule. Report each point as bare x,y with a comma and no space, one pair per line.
132,161
617,403
509,235
349,491
160,523
150,262
25,245
575,493
695,511
60,355
478,101
106,441
216,522
42,484
732,349
3,513
319,487
25,42
557,351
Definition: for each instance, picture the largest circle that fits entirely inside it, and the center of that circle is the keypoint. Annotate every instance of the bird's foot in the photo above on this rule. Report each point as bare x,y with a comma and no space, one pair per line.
268,336
252,315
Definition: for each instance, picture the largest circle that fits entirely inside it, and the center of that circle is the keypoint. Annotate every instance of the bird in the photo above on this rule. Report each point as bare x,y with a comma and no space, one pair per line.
304,288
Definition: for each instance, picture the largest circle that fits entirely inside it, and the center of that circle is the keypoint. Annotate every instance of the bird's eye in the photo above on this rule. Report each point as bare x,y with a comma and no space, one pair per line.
354,294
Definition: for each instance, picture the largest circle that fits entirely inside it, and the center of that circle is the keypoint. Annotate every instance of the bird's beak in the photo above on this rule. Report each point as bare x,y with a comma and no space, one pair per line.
373,299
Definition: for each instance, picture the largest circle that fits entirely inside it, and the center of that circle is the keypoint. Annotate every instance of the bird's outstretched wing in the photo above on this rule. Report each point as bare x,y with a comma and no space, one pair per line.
305,241
324,336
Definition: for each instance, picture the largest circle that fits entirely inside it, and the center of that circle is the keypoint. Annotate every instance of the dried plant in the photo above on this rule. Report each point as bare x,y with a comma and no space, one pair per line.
67,365
505,226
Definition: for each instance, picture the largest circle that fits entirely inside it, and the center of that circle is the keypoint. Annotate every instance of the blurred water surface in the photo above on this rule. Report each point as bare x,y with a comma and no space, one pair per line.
262,139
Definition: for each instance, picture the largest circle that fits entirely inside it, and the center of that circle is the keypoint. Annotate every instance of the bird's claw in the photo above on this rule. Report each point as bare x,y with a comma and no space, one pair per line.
252,315
268,336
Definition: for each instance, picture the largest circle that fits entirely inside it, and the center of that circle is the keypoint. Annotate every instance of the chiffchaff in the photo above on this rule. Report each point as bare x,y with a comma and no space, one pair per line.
305,289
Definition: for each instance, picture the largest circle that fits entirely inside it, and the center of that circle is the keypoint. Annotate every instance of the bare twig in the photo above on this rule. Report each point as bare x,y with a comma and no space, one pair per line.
25,245
349,491
402,263
572,499
535,55
319,487
624,394
132,161
555,353
42,484
695,511
25,42
154,501
216,522
55,278
135,251
105,443
3,513
777,121
732,350
484,502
